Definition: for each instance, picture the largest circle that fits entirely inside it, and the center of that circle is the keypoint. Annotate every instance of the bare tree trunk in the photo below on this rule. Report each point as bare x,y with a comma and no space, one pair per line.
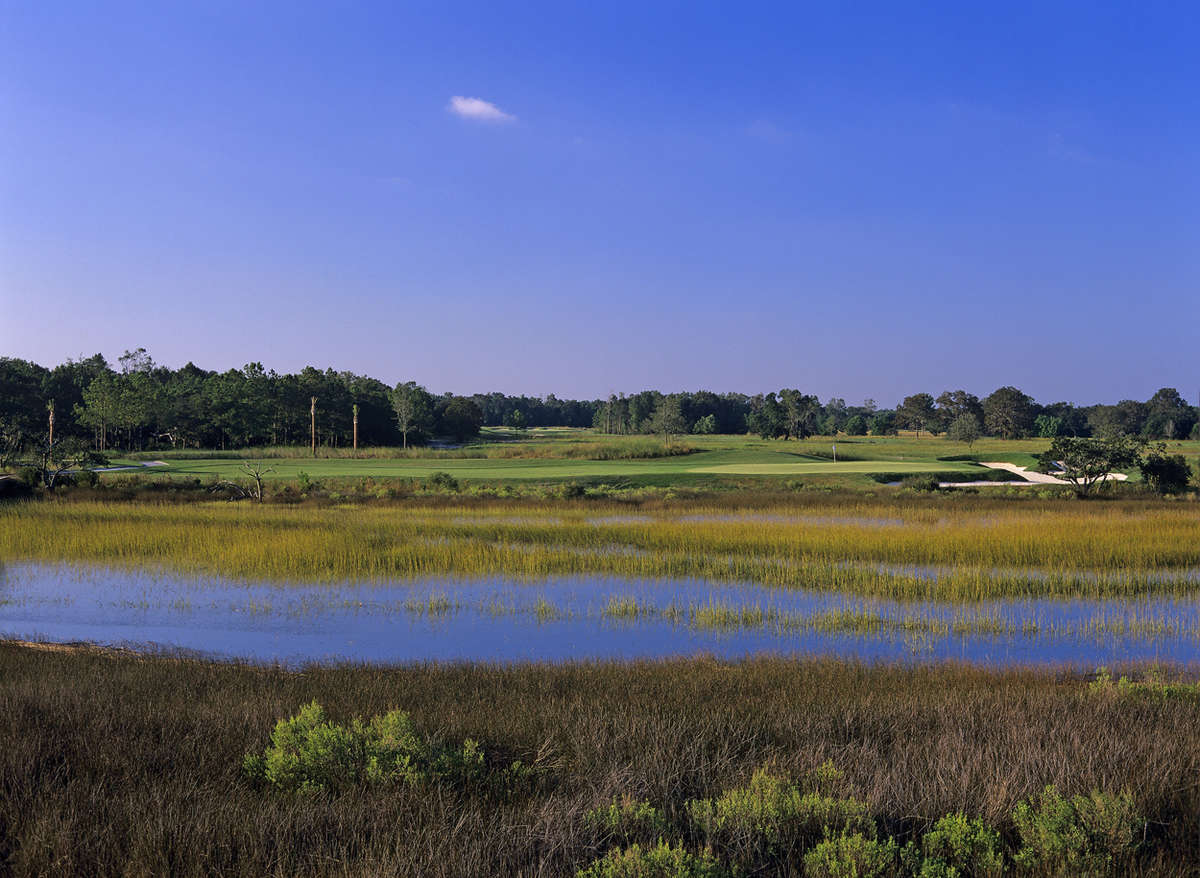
356,426
312,416
51,422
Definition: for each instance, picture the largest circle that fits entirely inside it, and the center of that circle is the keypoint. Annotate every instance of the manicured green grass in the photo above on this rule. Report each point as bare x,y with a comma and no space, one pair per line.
719,456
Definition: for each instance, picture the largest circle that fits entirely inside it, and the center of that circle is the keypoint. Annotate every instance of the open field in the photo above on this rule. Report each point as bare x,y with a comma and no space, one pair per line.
562,454
121,765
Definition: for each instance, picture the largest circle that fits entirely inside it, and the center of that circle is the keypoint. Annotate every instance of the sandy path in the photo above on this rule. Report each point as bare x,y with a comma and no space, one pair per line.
1042,478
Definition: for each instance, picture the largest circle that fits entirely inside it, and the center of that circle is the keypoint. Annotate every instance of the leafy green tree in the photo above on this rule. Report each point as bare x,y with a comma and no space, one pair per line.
706,425
800,413
965,428
917,412
1127,416
668,420
1008,413
1166,473
413,408
516,420
856,425
1085,462
1047,426
1167,415
952,404
100,408
883,423
461,418
766,417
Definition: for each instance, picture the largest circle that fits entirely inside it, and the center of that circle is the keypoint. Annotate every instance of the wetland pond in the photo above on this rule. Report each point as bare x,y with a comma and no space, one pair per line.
504,619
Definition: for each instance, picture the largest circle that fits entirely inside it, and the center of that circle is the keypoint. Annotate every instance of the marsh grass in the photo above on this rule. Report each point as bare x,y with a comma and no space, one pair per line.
121,764
957,550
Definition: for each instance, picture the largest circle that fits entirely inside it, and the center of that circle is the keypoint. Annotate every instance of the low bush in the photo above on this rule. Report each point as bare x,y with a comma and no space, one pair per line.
773,818
628,819
851,856
924,483
659,861
308,752
443,482
956,847
1084,835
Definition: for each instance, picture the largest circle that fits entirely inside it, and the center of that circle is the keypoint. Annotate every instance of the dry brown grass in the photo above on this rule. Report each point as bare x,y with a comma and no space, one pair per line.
110,766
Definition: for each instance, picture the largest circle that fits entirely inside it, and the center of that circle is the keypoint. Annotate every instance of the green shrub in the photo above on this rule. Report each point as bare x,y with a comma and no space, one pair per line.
572,490
442,481
29,476
1084,835
628,818
851,856
772,817
307,752
660,861
920,483
956,847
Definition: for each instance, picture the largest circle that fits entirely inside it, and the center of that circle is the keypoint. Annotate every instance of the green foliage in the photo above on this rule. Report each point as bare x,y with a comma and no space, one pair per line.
773,817
443,481
1153,686
1166,473
308,752
660,861
883,424
1084,835
851,856
965,428
1008,413
628,818
1086,461
88,478
706,425
956,847
856,425
1047,426
921,483
30,476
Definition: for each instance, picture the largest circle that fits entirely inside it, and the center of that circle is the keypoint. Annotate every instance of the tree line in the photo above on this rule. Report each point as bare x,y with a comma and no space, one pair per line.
139,404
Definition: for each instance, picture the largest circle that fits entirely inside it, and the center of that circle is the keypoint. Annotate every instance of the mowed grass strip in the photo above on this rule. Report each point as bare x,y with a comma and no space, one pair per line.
556,457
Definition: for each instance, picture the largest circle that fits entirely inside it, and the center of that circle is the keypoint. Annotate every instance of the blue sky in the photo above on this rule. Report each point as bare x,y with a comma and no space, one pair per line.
860,200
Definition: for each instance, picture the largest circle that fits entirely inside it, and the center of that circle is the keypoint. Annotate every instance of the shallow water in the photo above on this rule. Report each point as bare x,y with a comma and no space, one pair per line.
505,619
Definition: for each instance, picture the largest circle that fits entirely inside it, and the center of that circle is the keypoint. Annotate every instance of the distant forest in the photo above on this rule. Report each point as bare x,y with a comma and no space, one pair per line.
139,404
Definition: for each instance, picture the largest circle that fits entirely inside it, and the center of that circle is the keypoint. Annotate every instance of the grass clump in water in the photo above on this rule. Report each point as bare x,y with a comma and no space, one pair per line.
1155,685
308,753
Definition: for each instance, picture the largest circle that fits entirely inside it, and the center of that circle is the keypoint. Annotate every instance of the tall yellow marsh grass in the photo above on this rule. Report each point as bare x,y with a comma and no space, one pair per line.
876,548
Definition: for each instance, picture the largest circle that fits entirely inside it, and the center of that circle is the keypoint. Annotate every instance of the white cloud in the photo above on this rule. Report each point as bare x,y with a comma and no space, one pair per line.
478,109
